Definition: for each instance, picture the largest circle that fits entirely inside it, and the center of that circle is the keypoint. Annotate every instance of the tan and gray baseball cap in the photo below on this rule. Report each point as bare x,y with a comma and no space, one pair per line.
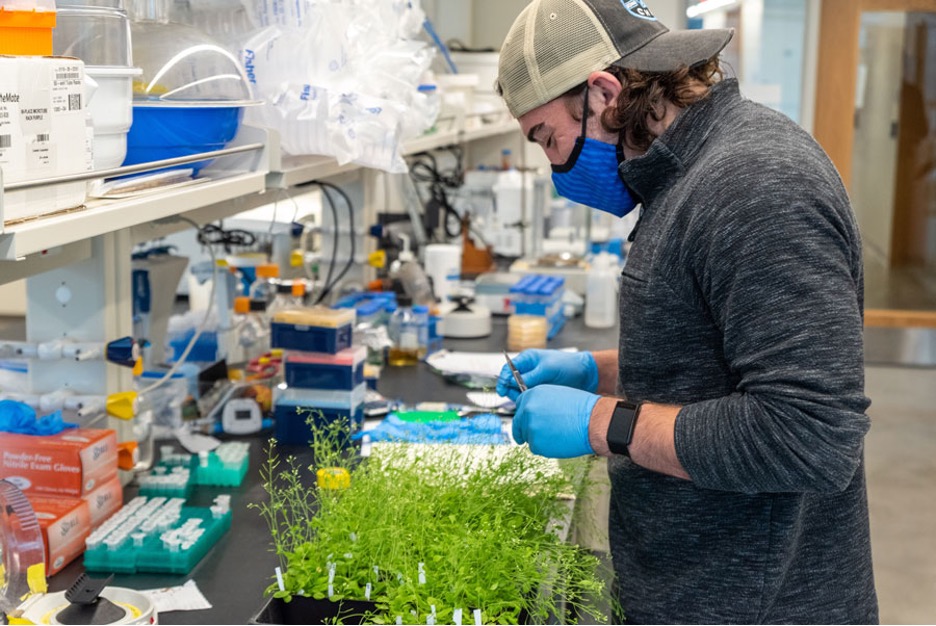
555,44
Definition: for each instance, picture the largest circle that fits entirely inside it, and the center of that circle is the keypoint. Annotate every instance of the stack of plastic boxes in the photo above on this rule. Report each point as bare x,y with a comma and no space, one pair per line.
324,372
540,295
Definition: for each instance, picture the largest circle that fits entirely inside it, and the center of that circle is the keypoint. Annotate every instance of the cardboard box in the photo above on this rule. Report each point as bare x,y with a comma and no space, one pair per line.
72,463
43,132
104,501
65,524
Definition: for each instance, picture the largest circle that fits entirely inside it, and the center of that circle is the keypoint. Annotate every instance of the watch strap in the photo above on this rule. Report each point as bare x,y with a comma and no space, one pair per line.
621,427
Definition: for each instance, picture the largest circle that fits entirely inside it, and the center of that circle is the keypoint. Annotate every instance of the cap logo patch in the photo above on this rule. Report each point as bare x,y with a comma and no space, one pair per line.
638,8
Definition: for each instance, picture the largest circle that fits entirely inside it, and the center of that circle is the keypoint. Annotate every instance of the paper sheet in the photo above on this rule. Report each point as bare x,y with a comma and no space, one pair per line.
195,442
486,364
187,597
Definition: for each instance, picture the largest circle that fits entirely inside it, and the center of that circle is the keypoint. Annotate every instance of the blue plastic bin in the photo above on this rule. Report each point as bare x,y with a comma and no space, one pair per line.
167,132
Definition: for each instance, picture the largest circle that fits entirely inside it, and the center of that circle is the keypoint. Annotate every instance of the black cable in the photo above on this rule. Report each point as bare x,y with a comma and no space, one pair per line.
329,283
424,168
334,253
213,235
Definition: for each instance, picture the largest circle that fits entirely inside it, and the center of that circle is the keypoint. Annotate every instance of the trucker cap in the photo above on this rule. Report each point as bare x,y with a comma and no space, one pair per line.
554,45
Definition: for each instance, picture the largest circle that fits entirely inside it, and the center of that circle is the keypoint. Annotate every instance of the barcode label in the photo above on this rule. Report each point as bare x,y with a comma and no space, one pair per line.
74,101
42,138
5,141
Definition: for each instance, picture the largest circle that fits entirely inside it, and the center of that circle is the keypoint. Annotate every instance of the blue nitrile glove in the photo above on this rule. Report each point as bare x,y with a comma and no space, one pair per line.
554,421
550,367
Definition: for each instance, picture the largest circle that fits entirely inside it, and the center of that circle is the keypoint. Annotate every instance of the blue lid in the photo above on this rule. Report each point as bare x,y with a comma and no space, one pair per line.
390,307
420,308
155,375
521,285
425,88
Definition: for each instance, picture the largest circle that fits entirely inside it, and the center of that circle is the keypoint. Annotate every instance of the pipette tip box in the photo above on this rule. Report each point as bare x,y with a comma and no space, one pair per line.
313,330
158,535
318,370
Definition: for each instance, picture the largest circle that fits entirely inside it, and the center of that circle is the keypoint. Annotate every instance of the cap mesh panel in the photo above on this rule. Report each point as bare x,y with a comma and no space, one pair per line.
558,40
564,51
513,74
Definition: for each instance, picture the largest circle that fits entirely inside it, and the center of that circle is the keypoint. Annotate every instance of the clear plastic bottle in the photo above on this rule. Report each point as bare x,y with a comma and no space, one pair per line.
601,292
283,300
298,294
421,315
253,332
404,333
264,287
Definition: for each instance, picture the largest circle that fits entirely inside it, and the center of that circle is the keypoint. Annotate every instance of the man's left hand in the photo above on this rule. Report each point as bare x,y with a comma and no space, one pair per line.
554,421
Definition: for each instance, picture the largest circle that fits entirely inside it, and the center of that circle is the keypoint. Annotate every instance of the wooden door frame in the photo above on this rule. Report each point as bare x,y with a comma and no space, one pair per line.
837,76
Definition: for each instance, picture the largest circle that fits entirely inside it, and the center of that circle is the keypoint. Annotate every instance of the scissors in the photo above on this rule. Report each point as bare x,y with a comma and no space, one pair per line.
516,373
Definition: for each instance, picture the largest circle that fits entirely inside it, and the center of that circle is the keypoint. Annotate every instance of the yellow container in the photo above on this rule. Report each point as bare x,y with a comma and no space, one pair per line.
26,32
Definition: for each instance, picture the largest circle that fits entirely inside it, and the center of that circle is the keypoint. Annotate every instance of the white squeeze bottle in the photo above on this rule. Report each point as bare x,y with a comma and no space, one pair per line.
601,300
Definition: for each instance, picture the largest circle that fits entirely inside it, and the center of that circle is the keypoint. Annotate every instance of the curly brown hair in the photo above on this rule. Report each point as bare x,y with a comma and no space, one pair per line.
642,95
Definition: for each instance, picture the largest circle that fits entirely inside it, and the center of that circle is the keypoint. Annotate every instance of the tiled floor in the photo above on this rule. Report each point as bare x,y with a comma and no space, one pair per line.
900,451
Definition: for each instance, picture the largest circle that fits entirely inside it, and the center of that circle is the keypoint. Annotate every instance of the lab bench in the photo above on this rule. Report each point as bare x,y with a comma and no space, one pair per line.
234,574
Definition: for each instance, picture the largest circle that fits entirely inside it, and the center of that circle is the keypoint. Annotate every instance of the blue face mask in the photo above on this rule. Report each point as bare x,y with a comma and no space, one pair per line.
590,175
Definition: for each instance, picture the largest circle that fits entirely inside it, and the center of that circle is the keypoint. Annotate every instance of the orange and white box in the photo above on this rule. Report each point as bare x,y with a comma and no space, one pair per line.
72,463
65,524
104,501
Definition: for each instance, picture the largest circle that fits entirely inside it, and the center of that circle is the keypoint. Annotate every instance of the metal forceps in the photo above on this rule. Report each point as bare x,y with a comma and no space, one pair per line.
515,372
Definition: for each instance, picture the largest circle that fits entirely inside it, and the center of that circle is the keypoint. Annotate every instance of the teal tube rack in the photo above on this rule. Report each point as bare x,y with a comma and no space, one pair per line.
177,474
158,535
225,466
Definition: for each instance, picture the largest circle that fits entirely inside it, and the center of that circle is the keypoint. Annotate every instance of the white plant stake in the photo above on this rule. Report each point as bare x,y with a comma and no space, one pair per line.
367,589
477,616
422,573
456,617
279,579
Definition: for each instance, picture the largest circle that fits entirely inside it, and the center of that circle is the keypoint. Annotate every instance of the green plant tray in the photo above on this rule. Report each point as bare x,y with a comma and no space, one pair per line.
303,610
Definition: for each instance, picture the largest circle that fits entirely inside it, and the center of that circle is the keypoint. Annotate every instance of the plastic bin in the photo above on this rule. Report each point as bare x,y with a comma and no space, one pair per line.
26,27
313,330
317,370
294,406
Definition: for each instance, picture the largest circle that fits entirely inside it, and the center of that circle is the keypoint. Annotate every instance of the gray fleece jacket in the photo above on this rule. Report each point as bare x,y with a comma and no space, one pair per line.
741,301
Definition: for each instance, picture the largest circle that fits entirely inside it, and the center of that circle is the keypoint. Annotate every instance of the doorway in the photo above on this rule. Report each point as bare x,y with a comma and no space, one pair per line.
876,117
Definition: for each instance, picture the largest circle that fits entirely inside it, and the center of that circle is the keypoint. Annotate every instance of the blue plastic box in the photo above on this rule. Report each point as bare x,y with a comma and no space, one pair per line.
293,408
317,329
317,370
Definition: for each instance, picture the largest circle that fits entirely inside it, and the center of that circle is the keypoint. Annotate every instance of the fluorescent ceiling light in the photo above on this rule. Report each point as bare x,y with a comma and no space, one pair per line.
709,5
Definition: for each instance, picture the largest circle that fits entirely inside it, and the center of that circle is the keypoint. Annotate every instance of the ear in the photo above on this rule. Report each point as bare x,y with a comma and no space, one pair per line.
603,89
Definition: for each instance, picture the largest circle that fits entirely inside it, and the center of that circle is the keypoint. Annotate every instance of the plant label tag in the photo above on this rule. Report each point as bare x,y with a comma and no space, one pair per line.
477,616
367,590
457,616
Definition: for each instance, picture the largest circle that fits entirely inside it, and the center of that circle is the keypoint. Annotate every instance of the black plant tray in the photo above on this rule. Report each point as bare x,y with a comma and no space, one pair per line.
303,610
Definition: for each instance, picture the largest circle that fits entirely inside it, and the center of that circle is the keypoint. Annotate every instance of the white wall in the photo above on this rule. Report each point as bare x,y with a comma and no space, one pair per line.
484,23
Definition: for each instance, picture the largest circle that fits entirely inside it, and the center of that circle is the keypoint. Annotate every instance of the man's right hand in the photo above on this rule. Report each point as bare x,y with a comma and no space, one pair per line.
550,367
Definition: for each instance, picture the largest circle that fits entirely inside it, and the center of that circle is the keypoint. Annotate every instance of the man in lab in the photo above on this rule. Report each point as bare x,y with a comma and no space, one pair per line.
733,411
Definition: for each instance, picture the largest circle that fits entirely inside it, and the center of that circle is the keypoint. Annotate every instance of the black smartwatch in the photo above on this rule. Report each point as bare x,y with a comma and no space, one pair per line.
621,427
